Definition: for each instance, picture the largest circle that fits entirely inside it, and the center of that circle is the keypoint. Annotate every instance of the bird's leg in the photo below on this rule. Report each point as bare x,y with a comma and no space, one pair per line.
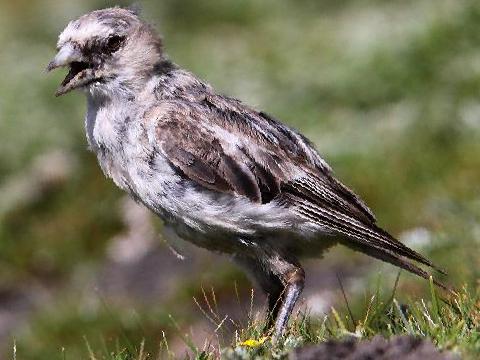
282,280
270,283
293,280
274,290
289,278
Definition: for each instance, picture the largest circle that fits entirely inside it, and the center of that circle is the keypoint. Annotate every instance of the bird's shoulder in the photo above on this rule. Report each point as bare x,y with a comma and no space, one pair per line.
184,99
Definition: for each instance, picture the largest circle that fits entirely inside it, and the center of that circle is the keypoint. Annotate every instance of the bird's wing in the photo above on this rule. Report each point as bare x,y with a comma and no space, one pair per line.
202,157
227,147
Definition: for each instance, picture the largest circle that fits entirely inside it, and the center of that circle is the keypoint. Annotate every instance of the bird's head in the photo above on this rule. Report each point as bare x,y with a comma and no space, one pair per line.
107,50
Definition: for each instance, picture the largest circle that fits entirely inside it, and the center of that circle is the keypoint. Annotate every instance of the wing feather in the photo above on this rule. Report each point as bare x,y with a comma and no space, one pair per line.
230,148
367,236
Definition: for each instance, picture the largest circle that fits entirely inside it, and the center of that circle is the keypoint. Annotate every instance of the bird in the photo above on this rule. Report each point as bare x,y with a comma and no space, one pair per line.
219,173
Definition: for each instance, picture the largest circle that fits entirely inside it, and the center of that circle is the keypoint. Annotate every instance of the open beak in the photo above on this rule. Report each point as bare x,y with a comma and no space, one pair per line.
81,72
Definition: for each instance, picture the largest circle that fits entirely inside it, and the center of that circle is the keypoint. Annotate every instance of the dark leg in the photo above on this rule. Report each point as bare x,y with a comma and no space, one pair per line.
295,281
275,291
282,280
270,283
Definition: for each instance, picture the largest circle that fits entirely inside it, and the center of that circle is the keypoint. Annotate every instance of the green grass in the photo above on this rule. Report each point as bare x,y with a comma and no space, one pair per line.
450,321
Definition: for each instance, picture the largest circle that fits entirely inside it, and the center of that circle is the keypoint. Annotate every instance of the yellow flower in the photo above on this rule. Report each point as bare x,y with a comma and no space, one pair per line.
253,343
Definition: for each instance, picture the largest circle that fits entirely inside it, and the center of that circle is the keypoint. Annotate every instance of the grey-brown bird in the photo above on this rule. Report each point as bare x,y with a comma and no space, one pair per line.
219,173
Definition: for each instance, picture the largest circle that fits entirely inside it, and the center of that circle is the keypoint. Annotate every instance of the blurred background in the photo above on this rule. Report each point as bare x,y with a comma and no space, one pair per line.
387,90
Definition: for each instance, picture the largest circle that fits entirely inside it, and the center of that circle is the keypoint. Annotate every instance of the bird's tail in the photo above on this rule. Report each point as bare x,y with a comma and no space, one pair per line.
394,259
368,238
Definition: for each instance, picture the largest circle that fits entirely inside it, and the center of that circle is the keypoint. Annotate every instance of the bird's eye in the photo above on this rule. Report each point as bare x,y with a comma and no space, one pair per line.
113,43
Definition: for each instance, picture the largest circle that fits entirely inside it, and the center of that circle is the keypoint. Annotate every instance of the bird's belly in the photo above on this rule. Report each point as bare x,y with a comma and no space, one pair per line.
210,219
165,191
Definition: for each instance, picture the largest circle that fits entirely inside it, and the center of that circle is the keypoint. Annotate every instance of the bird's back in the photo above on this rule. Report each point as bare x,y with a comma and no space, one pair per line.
249,174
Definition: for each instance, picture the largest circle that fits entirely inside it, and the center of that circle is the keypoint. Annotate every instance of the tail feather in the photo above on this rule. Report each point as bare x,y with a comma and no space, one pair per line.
369,234
368,238
391,258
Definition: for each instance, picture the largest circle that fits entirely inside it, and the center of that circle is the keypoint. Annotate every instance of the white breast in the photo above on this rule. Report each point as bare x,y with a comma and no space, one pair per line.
105,125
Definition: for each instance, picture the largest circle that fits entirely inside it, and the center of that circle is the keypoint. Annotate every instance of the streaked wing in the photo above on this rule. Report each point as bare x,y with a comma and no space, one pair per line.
202,158
230,148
